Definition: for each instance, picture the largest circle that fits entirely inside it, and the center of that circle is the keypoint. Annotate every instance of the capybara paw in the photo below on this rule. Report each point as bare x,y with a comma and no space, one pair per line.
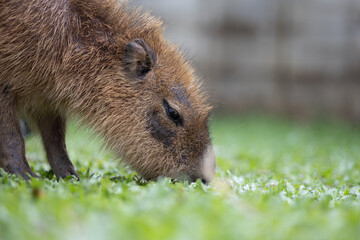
65,171
22,171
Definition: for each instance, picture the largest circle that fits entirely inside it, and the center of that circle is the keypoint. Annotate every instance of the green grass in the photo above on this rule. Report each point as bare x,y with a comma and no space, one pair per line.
276,179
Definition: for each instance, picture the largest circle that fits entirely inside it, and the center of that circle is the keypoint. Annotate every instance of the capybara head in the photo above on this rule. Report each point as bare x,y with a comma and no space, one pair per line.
170,134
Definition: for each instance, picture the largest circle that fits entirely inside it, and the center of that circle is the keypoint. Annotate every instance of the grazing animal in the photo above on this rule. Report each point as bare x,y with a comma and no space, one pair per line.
110,66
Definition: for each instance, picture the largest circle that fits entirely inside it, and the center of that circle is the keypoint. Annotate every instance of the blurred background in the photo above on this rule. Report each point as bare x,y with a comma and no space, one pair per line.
288,57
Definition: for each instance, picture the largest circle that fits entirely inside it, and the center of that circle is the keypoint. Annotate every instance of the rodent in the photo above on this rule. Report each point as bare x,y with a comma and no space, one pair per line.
110,66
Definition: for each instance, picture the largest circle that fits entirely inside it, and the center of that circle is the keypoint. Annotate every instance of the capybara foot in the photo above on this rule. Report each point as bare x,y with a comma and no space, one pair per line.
21,170
65,170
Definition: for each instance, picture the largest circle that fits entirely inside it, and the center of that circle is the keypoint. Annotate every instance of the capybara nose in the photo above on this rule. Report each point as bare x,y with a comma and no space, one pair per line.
208,165
204,181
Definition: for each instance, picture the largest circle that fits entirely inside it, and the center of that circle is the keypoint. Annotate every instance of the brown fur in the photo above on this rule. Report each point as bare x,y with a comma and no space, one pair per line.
66,57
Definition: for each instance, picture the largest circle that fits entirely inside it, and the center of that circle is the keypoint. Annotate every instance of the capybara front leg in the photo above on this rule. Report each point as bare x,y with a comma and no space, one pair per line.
52,128
12,147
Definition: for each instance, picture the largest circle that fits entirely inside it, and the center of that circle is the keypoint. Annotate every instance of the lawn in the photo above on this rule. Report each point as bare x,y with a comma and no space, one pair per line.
276,179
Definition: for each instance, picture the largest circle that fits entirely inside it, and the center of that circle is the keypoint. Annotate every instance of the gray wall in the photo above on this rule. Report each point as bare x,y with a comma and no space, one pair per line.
296,57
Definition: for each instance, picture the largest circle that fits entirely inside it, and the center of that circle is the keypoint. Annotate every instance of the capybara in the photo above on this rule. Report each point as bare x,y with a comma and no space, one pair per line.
109,66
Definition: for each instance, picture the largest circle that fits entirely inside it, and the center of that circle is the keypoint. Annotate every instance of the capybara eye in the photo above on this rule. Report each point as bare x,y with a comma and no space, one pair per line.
172,113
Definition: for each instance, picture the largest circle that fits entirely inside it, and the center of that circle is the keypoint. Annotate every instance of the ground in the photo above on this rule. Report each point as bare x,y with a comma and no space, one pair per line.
276,179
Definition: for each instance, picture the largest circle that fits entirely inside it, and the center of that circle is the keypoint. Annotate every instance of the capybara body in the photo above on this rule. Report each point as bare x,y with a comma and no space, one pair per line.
110,67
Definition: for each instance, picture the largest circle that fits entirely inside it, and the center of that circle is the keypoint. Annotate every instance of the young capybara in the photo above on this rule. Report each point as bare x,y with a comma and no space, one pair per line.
110,67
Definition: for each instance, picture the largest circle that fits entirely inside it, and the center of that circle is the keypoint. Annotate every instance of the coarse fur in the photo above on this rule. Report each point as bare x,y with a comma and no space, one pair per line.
71,57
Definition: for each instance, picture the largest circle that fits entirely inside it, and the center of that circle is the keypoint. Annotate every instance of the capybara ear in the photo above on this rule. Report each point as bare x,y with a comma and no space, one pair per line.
139,58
